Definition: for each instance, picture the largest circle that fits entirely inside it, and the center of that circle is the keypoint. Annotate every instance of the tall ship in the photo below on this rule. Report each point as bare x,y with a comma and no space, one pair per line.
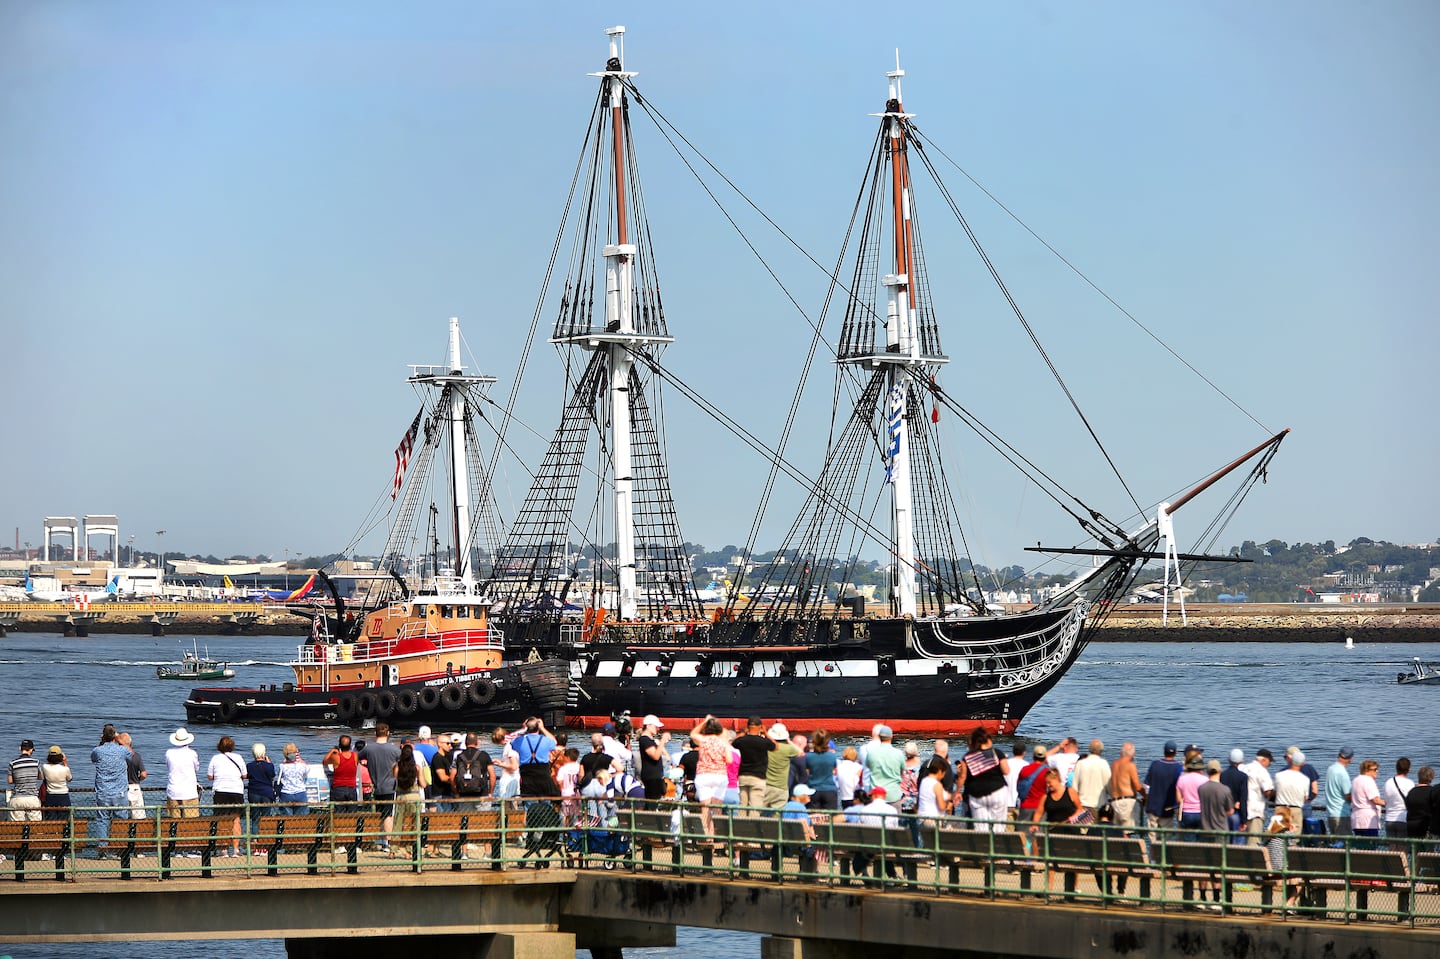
593,571
417,646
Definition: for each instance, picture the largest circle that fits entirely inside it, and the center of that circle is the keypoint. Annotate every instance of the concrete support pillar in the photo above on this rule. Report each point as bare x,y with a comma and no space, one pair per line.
495,945
606,937
784,947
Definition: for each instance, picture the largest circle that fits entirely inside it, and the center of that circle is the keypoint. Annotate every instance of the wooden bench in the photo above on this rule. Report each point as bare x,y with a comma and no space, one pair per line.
1224,863
350,828
1322,869
650,830
282,834
777,838
131,836
24,841
958,848
1104,856
1427,869
203,834
876,850
477,826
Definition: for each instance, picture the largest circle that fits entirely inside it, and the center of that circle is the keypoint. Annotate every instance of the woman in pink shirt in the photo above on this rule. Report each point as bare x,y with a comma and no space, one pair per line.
1187,790
1366,804
711,776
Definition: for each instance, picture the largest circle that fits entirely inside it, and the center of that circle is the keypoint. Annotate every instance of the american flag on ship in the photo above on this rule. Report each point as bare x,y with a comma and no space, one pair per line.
402,454
980,762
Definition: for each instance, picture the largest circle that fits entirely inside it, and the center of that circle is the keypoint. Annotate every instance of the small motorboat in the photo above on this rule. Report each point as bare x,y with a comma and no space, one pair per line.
192,667
1420,674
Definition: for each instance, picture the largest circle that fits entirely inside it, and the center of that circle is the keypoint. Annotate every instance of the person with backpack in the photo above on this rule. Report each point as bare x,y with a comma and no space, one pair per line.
473,774
1030,787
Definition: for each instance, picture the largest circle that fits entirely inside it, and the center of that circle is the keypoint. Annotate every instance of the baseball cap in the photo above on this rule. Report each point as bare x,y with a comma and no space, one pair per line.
457,739
1194,748
1263,753
423,732
1346,752
608,728
1040,753
803,790
779,732
1237,755
1213,766
652,720
27,744
1170,747
882,731
56,751
879,791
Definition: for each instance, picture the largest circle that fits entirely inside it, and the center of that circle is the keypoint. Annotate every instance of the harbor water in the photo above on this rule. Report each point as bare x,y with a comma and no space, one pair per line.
60,691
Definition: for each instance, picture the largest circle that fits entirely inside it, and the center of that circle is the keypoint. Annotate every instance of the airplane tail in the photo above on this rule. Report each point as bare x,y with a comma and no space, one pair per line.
113,587
303,590
228,584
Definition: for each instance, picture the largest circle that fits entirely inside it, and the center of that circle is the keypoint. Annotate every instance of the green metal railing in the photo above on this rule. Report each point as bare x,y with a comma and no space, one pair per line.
1313,877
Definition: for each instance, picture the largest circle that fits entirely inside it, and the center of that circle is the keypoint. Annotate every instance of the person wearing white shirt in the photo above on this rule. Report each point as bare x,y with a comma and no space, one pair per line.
1262,788
1064,757
1397,787
182,776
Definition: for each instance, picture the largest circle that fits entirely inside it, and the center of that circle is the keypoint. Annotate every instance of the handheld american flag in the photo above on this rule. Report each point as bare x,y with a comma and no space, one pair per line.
402,454
980,762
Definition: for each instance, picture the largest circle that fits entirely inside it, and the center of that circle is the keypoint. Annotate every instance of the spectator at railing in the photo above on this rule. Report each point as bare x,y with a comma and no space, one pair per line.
291,782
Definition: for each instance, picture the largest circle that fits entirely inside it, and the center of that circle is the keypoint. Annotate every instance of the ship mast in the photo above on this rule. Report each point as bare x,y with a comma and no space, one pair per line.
620,318
453,405
902,356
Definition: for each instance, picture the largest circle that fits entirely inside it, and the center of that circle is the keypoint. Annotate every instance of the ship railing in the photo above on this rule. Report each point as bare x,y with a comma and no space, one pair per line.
381,649
1334,878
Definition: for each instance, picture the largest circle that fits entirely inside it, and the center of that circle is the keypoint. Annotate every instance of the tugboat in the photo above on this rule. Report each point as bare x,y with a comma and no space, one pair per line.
192,667
938,659
427,655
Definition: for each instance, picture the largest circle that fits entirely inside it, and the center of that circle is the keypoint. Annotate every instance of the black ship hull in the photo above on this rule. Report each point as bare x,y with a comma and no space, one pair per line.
506,695
940,677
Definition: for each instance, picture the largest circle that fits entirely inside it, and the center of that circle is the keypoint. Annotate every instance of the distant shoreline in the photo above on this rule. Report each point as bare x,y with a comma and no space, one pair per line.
1213,623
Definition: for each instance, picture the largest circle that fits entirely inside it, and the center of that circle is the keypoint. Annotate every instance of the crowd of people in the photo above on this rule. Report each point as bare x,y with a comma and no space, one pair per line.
765,768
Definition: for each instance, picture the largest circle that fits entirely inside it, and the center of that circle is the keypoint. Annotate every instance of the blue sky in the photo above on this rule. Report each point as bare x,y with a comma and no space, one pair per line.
225,229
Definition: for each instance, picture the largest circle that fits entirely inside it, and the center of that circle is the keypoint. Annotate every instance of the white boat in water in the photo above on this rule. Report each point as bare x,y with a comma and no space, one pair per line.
1421,674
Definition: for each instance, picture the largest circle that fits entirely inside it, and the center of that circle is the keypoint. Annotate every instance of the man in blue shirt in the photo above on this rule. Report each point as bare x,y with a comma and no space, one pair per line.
1337,790
1160,779
111,780
533,747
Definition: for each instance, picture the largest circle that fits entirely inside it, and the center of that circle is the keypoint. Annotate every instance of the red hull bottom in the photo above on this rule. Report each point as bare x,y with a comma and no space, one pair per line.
832,725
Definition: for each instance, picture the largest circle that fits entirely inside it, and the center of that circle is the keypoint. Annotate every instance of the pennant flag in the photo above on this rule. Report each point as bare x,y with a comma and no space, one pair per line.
934,401
402,454
895,423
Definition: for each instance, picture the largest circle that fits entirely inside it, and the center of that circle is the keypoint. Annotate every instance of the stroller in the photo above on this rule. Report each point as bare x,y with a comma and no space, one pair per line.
593,837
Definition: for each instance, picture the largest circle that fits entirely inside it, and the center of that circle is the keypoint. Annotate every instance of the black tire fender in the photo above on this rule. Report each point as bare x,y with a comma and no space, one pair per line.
481,692
429,698
406,702
452,697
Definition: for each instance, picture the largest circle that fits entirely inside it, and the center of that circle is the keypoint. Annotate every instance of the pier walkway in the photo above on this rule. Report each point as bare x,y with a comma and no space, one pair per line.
496,887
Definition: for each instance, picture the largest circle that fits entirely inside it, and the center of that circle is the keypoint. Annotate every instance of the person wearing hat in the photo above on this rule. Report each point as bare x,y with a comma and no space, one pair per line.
1260,788
777,767
1236,778
1293,789
885,763
652,757
424,746
1337,791
1160,781
24,780
182,776
1030,787
57,775
796,809
1217,805
877,812
1187,793
755,748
